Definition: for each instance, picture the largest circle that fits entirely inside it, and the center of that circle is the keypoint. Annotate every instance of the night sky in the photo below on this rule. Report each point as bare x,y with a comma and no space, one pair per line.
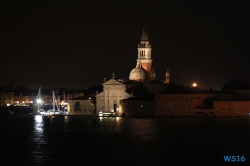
76,44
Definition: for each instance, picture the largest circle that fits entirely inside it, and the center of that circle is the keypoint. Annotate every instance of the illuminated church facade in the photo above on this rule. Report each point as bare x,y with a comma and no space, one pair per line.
142,82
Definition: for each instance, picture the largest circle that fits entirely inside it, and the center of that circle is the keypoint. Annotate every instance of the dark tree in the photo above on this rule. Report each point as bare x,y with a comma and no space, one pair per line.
237,84
93,89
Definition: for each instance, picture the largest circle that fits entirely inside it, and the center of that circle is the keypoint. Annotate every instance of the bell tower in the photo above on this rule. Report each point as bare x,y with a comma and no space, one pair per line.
144,52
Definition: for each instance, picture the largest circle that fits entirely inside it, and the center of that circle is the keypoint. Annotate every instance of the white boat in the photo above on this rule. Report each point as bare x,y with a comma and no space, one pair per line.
42,112
108,114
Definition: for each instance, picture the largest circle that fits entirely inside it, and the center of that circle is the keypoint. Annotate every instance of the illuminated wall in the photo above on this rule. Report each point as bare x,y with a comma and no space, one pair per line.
113,92
138,108
179,104
6,98
84,106
231,108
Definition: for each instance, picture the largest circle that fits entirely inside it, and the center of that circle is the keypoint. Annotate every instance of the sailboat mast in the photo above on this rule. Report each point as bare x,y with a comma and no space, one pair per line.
58,103
39,92
64,96
64,100
53,99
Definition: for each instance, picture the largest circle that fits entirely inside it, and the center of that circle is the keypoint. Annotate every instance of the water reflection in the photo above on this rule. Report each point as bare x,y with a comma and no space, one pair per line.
38,142
140,128
100,119
144,128
117,119
38,126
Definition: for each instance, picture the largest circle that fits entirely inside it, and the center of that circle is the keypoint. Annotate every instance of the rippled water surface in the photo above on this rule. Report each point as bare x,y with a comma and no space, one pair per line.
79,140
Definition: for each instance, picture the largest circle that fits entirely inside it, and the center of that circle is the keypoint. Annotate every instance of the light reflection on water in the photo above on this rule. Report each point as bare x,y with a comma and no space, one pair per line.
38,142
142,129
38,126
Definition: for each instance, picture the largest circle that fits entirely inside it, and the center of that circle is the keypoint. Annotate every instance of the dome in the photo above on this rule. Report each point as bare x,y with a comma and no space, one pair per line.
138,74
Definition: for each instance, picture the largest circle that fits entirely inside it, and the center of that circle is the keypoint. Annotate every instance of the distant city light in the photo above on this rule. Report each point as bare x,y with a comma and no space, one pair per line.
194,85
38,100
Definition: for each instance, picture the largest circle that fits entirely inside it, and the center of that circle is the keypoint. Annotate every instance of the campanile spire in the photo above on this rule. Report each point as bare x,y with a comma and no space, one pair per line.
144,36
144,52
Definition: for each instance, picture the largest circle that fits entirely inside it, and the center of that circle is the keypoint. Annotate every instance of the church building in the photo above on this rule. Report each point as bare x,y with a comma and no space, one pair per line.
142,82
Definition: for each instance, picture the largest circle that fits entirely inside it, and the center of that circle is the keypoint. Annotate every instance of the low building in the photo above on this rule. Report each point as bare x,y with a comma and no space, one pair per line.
204,112
234,106
143,106
22,99
85,105
6,98
73,95
184,104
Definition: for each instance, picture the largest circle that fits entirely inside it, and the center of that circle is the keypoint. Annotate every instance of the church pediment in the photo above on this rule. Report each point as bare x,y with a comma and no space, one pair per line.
112,82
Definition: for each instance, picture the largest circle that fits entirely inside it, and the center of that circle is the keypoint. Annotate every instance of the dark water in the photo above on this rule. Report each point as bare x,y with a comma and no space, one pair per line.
79,140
